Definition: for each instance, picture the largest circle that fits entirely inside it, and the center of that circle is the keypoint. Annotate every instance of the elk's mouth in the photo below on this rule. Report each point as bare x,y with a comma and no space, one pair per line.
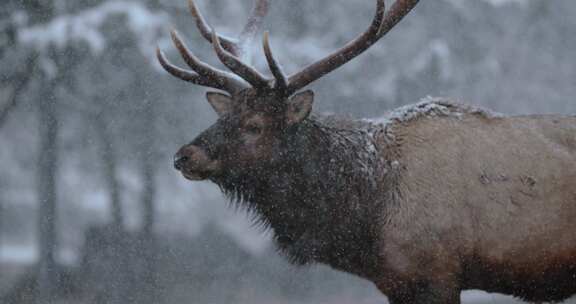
195,176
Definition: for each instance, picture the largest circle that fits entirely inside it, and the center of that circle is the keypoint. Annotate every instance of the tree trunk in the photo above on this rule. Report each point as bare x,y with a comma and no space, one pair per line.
143,263
46,183
115,285
148,204
110,168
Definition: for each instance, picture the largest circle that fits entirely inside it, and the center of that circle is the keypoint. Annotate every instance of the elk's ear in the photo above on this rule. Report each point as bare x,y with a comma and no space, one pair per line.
221,103
299,107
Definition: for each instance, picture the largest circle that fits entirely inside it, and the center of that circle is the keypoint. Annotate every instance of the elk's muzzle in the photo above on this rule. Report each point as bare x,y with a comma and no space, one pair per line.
194,164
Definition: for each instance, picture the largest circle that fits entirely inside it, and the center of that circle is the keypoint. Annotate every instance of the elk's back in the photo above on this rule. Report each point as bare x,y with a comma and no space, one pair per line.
493,198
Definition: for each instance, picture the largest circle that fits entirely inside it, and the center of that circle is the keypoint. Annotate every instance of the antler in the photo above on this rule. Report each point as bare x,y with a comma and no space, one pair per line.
229,51
204,74
380,26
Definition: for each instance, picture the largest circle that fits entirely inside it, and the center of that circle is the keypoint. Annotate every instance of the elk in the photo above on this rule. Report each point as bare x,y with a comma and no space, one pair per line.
436,198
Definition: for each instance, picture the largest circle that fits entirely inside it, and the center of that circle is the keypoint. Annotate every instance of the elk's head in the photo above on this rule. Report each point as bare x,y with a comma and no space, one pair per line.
257,113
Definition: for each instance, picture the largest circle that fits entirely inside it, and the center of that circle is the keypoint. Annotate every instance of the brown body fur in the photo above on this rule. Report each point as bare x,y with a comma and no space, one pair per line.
483,203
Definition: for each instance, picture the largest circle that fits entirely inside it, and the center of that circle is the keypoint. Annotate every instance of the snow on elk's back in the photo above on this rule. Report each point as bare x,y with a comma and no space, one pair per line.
429,106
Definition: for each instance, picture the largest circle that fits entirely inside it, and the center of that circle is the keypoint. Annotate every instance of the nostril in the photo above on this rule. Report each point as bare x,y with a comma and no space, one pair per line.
179,162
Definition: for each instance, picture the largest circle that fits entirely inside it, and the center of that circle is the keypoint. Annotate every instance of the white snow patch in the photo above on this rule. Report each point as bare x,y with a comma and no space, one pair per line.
86,26
28,255
19,254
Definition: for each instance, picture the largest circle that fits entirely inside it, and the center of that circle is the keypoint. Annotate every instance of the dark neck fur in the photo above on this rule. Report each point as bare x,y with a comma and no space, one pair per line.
320,195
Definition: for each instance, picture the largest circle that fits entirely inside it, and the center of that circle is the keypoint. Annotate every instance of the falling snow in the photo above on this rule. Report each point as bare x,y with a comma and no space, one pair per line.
120,118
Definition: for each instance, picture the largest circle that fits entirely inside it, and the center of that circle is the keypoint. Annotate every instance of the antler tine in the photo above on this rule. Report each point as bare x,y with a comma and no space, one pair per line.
184,74
239,68
399,9
206,31
275,68
379,27
234,47
203,69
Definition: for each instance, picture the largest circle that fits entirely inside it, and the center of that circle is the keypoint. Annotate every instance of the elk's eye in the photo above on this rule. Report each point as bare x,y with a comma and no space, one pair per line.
253,129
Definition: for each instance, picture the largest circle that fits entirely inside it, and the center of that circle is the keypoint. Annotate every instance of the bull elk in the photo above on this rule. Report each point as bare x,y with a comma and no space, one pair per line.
435,199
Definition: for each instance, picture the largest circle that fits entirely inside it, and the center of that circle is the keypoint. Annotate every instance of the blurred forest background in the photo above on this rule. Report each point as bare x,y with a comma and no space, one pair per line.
91,210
